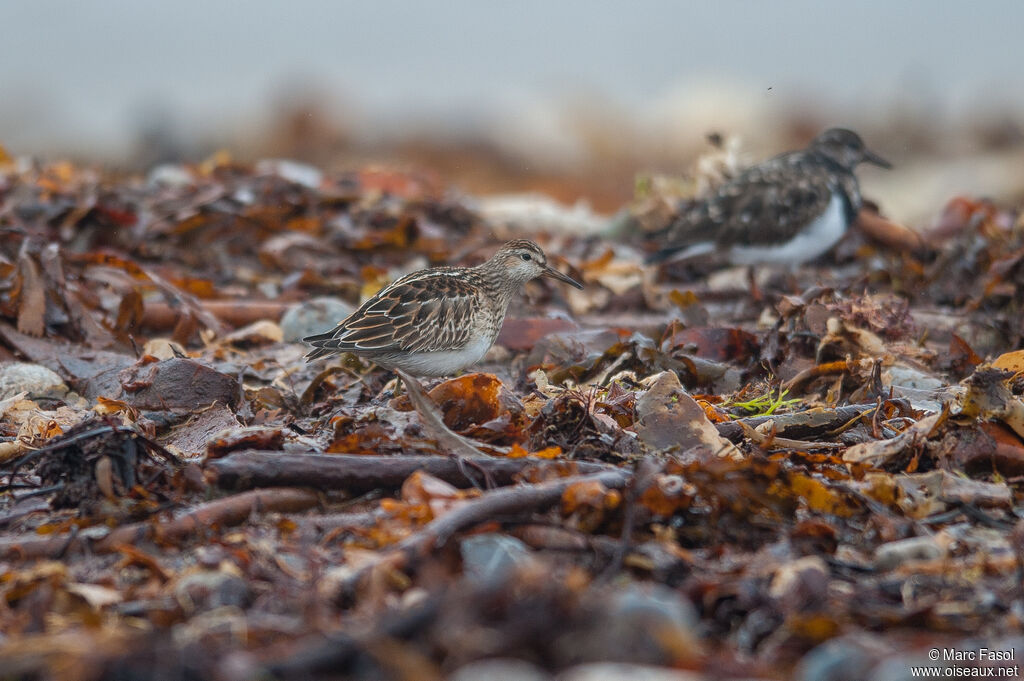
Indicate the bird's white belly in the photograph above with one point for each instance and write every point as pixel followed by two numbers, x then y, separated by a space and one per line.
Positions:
pixel 442 362
pixel 808 244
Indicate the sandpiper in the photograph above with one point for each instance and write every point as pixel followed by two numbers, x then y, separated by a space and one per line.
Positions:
pixel 436 321
pixel 787 210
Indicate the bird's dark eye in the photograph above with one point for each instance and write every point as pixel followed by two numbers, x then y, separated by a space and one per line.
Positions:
pixel 525 256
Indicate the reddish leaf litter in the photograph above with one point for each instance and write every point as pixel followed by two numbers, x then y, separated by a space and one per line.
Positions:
pixel 819 479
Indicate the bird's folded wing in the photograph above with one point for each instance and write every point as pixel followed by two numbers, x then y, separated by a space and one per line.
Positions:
pixel 416 314
pixel 761 206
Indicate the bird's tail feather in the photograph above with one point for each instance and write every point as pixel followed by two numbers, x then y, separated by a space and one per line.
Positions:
pixel 317 353
pixel 681 252
pixel 319 342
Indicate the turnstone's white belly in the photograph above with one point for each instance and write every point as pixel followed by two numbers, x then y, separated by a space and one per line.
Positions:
pixel 810 242
pixel 441 362
pixel 813 240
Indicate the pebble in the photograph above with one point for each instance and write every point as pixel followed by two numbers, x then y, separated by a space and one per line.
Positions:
pixel 654 605
pixel 36 380
pixel 312 316
pixel 641 623
pixel 841 659
pixel 176 383
pixel 667 416
pixel 492 558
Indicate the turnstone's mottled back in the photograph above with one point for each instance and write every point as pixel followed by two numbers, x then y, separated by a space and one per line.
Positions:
pixel 787 210
pixel 436 321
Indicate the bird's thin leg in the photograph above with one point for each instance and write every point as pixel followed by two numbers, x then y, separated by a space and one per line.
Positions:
pixel 464 466
pixel 458 445
pixel 756 294
pixel 792 282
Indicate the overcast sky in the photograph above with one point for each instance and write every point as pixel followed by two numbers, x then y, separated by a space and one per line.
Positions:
pixel 74 69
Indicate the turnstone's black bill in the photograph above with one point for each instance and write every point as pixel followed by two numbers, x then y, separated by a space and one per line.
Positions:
pixel 787 210
pixel 436 321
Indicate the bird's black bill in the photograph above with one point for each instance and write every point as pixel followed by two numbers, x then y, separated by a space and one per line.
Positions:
pixel 555 274
pixel 872 157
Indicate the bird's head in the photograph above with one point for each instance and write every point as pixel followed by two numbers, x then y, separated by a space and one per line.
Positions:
pixel 522 260
pixel 846 148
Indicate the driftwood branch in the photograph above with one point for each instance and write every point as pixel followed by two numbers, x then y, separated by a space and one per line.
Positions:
pixel 360 474
pixel 227 512
pixel 812 423
pixel 502 503
pixel 159 316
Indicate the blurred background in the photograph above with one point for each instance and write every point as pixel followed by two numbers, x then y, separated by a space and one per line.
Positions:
pixel 572 99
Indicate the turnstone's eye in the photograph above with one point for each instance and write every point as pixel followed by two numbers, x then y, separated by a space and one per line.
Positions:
pixel 525 256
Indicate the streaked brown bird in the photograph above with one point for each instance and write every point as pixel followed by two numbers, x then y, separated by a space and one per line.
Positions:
pixel 437 321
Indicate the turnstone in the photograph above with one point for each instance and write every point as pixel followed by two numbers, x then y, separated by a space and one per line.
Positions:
pixel 436 321
pixel 787 210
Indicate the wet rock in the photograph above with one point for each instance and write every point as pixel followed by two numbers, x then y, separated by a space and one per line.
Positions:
pixel 312 316
pixel 668 417
pixel 236 437
pixel 654 604
pixel 849 658
pixel 506 669
pixel 94 373
pixel 914 549
pixel 176 383
pixel 36 380
pixel 492 558
pixel 211 589
pixel 192 438
pixel 648 624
